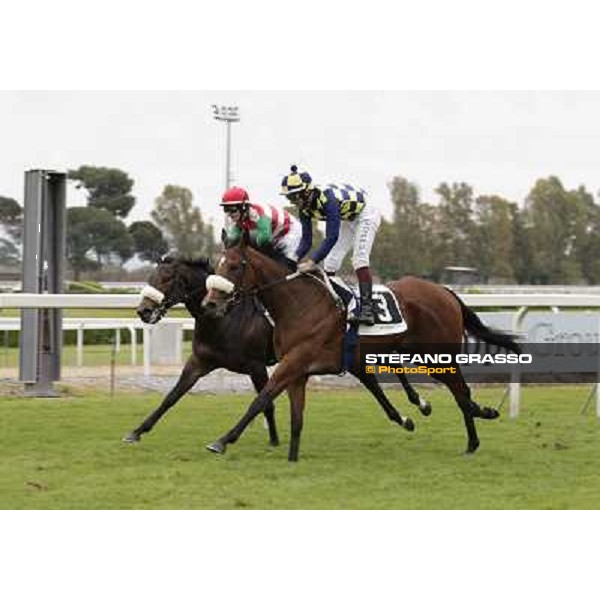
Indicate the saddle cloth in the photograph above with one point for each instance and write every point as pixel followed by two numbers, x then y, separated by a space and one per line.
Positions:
pixel 388 316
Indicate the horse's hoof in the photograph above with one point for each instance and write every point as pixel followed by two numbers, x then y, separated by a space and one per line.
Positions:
pixel 408 424
pixel 216 447
pixel 274 443
pixel 471 449
pixel 425 409
pixel 490 413
pixel 132 438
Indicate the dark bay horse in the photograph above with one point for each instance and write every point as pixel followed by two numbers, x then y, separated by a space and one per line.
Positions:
pixel 309 328
pixel 242 342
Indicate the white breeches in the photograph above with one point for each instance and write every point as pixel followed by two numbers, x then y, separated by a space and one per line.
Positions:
pixel 359 235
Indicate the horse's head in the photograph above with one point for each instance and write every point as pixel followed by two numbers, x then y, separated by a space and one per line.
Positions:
pixel 234 276
pixel 173 281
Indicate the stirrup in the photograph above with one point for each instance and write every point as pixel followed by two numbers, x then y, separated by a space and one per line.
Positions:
pixel 369 321
pixel 362 319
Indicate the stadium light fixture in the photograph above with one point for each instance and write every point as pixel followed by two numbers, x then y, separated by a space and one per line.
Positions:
pixel 228 115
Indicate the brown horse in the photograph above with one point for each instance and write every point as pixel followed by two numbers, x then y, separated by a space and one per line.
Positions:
pixel 309 328
pixel 241 342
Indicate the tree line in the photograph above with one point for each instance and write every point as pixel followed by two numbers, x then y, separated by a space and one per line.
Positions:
pixel 97 235
pixel 554 238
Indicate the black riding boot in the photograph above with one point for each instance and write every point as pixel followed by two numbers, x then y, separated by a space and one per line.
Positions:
pixel 367 315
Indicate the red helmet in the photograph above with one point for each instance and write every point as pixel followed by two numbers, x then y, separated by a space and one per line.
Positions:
pixel 235 195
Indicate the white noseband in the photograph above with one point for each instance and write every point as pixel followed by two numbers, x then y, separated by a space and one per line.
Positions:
pixel 153 294
pixel 216 282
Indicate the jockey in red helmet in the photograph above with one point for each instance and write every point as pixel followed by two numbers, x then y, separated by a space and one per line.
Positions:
pixel 266 224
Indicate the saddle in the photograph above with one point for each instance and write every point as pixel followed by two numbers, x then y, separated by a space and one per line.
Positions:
pixel 388 316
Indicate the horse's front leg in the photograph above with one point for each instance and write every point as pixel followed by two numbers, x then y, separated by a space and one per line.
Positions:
pixel 259 380
pixel 192 371
pixel 288 370
pixel 297 394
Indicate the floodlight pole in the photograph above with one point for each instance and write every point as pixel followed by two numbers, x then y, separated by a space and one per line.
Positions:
pixel 228 157
pixel 228 114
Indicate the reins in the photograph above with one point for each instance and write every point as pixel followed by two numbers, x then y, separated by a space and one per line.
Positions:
pixel 238 295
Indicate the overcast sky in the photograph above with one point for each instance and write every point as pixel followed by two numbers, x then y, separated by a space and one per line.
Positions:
pixel 499 142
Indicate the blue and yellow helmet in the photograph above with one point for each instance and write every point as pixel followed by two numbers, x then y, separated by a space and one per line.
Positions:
pixel 296 182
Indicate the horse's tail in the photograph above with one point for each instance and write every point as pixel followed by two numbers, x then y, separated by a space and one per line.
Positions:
pixel 474 326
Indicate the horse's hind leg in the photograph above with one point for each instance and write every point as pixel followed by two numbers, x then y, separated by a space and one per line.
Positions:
pixel 371 383
pixel 413 395
pixel 470 409
pixel 192 371
pixel 259 380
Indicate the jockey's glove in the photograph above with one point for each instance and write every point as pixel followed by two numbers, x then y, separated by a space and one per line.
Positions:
pixel 306 266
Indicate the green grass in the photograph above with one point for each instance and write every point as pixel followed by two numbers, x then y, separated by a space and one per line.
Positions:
pixel 67 454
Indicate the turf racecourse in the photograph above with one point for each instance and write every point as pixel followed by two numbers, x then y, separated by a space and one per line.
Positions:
pixel 67 454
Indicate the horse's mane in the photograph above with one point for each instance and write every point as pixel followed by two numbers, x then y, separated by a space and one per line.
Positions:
pixel 277 255
pixel 195 263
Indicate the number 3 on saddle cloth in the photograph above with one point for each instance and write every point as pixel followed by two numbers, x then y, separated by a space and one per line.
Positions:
pixel 388 317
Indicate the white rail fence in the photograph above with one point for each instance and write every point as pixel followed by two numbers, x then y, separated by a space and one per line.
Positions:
pixel 521 302
pixel 13 300
pixel 81 324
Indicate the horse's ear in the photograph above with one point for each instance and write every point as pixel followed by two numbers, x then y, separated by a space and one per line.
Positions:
pixel 224 237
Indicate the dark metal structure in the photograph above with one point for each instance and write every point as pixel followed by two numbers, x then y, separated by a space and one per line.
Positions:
pixel 43 272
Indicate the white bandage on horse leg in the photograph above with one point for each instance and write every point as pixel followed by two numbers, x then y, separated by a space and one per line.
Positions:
pixel 152 294
pixel 216 282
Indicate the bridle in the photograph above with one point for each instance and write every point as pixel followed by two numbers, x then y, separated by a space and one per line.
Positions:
pixel 169 300
pixel 239 293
